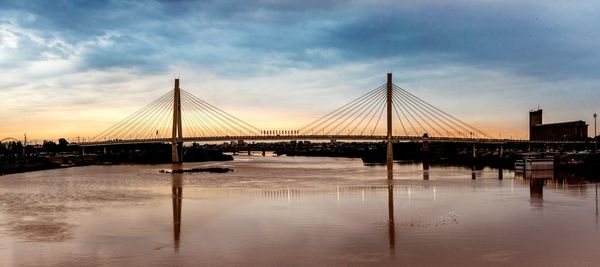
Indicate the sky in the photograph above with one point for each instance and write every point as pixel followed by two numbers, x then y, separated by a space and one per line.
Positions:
pixel 74 68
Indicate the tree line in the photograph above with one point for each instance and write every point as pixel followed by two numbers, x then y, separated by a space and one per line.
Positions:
pixel 17 149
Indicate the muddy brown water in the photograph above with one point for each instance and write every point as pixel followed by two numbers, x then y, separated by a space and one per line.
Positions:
pixel 296 211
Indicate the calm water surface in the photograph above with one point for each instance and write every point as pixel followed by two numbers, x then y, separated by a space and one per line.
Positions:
pixel 296 211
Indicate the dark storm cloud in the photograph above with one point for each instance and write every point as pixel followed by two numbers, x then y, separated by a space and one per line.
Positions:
pixel 528 38
pixel 520 38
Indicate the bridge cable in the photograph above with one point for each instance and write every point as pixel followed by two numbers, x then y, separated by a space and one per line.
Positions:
pixel 205 116
pixel 420 115
pixel 124 121
pixel 137 125
pixel 335 116
pixel 419 110
pixel 161 114
pixel 395 104
pixel 361 110
pixel 139 134
pixel 399 118
pixel 217 125
pixel 370 109
pixel 197 125
pixel 230 117
pixel 232 121
pixel 212 117
pixel 202 117
pixel 473 129
pixel 218 118
pixel 342 112
pixel 436 115
pixel 355 111
pixel 109 132
pixel 406 108
pixel 378 119
pixel 132 123
pixel 311 126
pixel 381 105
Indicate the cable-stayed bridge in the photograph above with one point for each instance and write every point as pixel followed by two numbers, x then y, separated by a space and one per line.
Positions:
pixel 364 118
pixel 387 113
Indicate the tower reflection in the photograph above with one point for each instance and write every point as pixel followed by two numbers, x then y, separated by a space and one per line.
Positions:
pixel 425 169
pixel 536 191
pixel 177 195
pixel 537 181
pixel 391 223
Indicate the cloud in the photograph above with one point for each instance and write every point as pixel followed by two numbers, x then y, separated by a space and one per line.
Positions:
pixel 99 52
pixel 529 38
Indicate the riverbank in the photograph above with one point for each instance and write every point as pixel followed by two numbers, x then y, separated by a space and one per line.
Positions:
pixel 315 209
pixel 115 157
pixel 19 165
pixel 585 164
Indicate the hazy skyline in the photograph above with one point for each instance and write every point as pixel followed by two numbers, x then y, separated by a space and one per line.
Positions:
pixel 74 68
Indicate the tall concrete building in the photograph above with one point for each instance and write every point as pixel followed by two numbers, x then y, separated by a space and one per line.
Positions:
pixel 561 131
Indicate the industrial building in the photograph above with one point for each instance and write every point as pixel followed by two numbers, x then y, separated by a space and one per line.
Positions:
pixel 561 131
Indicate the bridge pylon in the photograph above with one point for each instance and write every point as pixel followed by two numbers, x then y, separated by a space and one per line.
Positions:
pixel 390 147
pixel 177 136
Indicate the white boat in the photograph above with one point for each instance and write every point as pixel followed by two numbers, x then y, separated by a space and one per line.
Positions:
pixel 532 164
pixel 519 165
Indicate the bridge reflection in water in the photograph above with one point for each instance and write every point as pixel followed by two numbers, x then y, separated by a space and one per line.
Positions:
pixel 536 182
pixel 536 193
pixel 177 196
pixel 177 201
pixel 391 221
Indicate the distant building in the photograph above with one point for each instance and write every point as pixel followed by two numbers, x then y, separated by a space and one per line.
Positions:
pixel 561 131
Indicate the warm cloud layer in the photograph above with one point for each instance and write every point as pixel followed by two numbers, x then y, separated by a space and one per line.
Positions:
pixel 72 68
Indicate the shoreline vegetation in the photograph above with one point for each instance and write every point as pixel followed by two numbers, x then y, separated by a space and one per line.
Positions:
pixel 192 170
pixel 40 163
pixel 125 154
pixel 53 156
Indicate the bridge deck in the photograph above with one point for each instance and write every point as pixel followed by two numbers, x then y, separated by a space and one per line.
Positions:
pixel 323 137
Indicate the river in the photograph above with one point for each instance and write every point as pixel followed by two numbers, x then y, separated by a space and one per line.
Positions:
pixel 296 211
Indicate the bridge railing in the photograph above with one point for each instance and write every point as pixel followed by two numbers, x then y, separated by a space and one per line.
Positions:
pixel 279 137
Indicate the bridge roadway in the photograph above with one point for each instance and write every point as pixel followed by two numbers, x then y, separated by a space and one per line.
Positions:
pixel 323 137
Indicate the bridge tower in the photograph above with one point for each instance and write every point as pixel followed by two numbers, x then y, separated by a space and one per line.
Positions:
pixel 390 147
pixel 177 136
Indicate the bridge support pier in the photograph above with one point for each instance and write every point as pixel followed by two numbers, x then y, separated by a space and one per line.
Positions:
pixel 180 151
pixel 249 152
pixel 425 158
pixel 425 169
pixel 390 147
pixel 501 151
pixel 391 224
pixel 177 135
pixel 264 152
pixel 177 196
pixel 536 188
pixel 474 151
